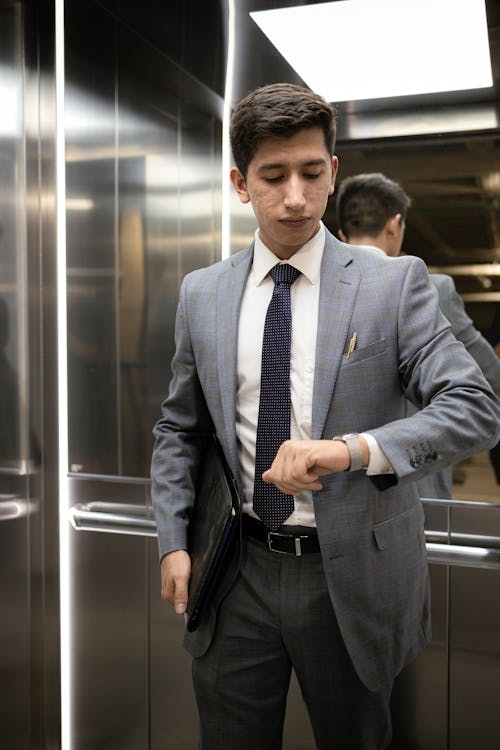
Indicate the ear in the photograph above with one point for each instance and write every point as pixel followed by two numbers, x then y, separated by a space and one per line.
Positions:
pixel 393 225
pixel 393 233
pixel 239 185
pixel 342 236
pixel 335 166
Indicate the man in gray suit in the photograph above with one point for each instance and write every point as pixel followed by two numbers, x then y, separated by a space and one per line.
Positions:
pixel 340 591
pixel 371 211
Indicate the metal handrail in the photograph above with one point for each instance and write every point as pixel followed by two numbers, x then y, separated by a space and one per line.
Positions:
pixel 458 538
pixel 472 550
pixel 460 554
pixel 117 518
pixel 13 507
pixel 450 503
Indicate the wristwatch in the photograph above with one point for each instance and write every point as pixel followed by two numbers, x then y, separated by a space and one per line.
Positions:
pixel 355 450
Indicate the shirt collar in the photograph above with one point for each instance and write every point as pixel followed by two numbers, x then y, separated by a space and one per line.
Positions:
pixel 307 260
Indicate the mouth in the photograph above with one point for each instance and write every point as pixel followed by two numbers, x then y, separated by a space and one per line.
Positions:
pixel 296 223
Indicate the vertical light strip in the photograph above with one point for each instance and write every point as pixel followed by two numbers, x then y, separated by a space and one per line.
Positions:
pixel 19 110
pixel 116 240
pixel 64 541
pixel 226 146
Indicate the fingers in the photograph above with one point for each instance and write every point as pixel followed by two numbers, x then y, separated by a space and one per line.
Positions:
pixel 299 463
pixel 175 573
pixel 293 469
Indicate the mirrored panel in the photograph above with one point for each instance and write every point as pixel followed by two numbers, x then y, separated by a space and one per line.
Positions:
pixel 143 146
pixel 12 248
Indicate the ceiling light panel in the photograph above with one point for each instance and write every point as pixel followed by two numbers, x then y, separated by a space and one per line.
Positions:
pixel 360 49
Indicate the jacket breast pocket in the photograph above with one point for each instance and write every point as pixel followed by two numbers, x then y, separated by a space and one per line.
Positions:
pixel 365 352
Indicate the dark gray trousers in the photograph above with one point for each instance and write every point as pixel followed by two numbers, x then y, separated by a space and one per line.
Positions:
pixel 279 616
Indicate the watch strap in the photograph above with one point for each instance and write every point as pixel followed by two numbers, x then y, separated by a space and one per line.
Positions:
pixel 355 450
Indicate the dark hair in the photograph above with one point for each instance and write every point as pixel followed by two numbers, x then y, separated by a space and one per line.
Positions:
pixel 279 110
pixel 366 201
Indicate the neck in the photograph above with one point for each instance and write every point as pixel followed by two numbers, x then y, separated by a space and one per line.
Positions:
pixel 366 240
pixel 372 241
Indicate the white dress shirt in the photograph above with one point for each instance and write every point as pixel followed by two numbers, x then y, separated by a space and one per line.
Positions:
pixel 305 306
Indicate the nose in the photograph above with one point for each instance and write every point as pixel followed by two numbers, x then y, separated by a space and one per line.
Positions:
pixel 294 193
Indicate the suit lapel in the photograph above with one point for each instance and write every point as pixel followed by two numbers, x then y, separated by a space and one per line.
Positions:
pixel 339 288
pixel 231 285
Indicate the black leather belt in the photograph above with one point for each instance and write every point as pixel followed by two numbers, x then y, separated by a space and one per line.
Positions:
pixel 284 542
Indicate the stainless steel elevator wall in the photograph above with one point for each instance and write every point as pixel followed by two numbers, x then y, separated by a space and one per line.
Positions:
pixel 29 622
pixel 14 523
pixel 143 152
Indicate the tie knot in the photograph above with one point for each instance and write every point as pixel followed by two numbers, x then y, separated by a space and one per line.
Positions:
pixel 284 273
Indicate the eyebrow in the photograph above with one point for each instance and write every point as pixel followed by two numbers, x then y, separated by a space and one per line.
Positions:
pixel 280 165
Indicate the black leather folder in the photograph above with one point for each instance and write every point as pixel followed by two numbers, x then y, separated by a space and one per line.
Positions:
pixel 212 529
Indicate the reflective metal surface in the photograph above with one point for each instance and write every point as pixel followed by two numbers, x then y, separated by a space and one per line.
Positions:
pixel 14 575
pixel 29 628
pixel 143 202
pixel 446 699
pixel 117 518
pixel 143 150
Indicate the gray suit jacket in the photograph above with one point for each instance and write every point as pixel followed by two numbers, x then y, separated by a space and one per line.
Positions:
pixel 439 484
pixel 462 327
pixel 370 529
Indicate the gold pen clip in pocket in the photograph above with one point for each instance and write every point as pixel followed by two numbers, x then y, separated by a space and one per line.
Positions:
pixel 352 345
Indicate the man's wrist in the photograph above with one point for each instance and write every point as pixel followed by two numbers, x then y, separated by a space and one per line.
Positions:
pixel 357 447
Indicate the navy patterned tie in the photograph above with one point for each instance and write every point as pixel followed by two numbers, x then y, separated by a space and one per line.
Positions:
pixel 273 427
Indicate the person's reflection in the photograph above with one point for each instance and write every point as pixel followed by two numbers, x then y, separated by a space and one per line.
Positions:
pixel 494 339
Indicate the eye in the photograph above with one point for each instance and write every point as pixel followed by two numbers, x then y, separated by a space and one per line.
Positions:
pixel 312 175
pixel 274 179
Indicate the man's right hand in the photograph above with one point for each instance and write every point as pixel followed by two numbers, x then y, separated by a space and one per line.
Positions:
pixel 175 572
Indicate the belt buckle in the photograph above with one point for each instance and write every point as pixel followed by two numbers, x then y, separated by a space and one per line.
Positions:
pixel 298 547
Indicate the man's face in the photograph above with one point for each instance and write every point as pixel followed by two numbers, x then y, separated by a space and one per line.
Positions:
pixel 288 183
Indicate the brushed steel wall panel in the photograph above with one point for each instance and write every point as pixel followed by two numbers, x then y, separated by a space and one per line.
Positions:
pixel 29 636
pixel 420 696
pixel 15 621
pixel 143 170
pixel 109 626
pixel 143 145
pixel 474 641
pixel 474 659
pixel 90 91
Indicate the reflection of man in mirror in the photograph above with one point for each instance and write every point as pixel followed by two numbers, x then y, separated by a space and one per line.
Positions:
pixel 494 338
pixel 9 396
pixel 371 211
